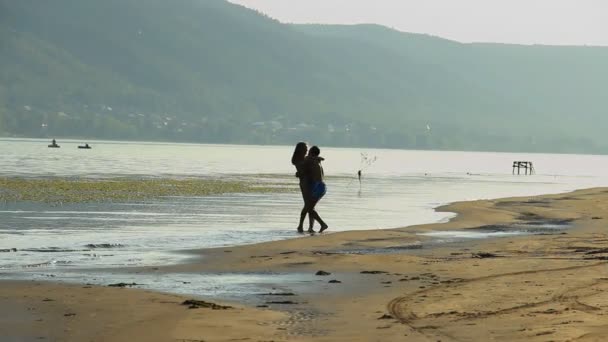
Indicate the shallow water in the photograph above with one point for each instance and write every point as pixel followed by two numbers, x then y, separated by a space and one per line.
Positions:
pixel 250 288
pixel 400 188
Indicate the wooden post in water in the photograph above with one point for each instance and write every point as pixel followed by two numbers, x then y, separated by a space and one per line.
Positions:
pixel 526 165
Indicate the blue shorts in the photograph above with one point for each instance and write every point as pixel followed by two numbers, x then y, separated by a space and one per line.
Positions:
pixel 318 190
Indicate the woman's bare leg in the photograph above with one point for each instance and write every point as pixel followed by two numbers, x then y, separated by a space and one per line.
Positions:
pixel 302 217
pixel 305 209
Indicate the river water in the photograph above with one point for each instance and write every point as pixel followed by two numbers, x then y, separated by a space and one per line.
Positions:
pixel 399 188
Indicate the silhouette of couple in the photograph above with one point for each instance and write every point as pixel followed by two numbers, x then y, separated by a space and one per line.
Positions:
pixel 310 173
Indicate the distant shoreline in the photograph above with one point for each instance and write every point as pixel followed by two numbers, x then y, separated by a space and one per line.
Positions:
pixel 92 141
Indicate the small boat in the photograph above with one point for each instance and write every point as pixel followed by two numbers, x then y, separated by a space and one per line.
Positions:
pixel 54 146
pixel 85 147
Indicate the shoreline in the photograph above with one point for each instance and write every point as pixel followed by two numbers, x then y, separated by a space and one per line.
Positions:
pixel 531 287
pixel 467 214
pixel 167 142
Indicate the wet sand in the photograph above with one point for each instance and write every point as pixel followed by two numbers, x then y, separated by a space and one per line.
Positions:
pixel 391 285
pixel 34 311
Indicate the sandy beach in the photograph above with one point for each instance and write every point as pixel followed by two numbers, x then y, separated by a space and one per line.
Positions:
pixel 381 285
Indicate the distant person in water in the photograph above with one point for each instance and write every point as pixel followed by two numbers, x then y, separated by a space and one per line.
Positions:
pixel 314 174
pixel 297 160
pixel 359 175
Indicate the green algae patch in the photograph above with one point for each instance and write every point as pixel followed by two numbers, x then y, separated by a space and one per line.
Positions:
pixel 78 190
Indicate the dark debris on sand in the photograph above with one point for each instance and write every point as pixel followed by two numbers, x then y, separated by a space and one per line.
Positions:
pixel 196 304
pixel 123 285
pixel 604 258
pixel 485 255
pixel 386 316
pixel 597 251
pixel 322 273
pixel 279 294
pixel 373 272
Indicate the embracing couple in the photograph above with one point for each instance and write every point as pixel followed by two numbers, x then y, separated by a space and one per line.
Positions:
pixel 310 173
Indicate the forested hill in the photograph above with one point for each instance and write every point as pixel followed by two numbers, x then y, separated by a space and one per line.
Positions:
pixel 211 71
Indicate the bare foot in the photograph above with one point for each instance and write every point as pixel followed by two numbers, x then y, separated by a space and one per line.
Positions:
pixel 323 229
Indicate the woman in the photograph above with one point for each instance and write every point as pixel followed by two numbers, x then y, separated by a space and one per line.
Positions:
pixel 298 158
pixel 316 186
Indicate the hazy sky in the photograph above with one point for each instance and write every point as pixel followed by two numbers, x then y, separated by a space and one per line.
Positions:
pixel 575 22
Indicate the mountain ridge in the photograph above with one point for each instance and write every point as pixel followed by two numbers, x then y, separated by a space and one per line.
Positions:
pixel 211 71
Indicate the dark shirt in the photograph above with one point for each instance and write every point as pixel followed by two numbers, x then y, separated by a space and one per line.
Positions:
pixel 313 171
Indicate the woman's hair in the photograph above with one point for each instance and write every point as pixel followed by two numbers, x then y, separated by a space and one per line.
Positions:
pixel 314 151
pixel 299 153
